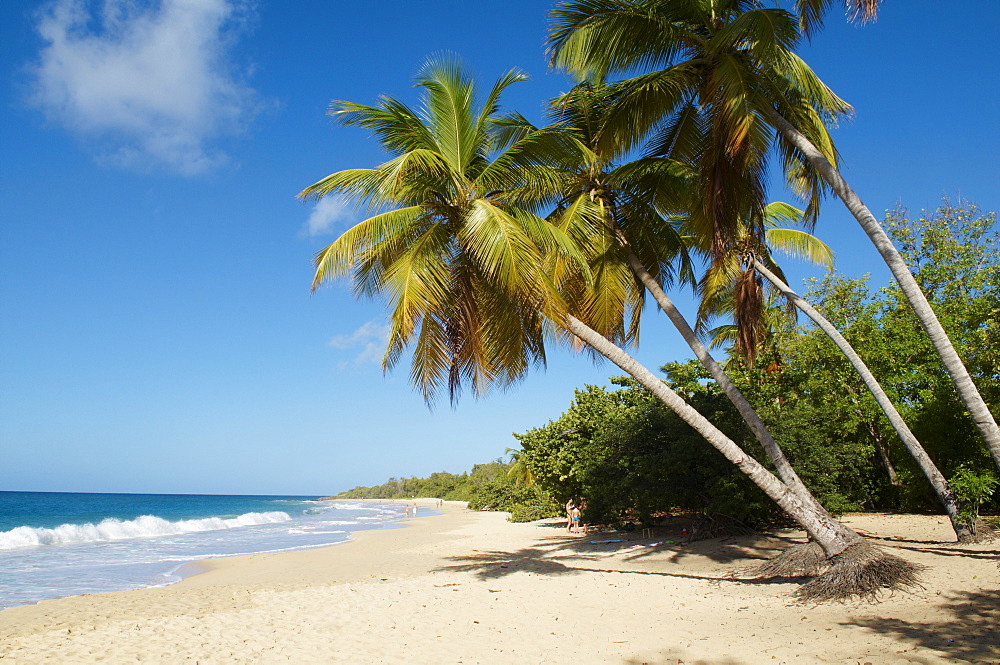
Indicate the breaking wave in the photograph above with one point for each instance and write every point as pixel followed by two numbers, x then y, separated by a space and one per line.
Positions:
pixel 146 526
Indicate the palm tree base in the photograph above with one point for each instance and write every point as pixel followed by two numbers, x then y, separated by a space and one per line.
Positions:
pixel 863 571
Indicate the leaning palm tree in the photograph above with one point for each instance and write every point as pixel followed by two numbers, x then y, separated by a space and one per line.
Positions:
pixel 965 531
pixel 728 68
pixel 758 259
pixel 617 209
pixel 467 270
pixel 850 566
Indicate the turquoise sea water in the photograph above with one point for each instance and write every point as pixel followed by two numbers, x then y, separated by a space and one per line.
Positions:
pixel 59 544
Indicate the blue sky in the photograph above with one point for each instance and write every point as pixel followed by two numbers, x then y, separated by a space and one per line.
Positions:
pixel 158 334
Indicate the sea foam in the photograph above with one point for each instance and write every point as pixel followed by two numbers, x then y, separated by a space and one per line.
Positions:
pixel 146 526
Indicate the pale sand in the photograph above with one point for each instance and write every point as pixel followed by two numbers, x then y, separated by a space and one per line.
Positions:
pixel 470 587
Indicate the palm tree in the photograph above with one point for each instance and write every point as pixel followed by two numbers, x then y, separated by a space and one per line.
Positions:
pixel 519 471
pixel 727 69
pixel 965 532
pixel 459 261
pixel 803 245
pixel 460 257
pixel 616 208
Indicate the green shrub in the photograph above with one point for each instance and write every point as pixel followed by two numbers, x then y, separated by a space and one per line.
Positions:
pixel 973 489
pixel 525 513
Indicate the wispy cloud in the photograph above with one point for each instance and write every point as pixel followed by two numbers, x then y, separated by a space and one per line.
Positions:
pixel 147 84
pixel 370 338
pixel 327 212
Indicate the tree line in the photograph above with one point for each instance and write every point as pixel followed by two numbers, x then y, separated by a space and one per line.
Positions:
pixel 490 486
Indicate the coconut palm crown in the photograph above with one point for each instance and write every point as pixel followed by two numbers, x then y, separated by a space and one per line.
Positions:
pixel 714 71
pixel 613 208
pixel 710 75
pixel 733 278
pixel 452 244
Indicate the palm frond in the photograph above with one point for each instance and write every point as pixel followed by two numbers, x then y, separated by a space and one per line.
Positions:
pixel 765 33
pixel 800 245
pixel 394 124
pixel 496 242
pixel 592 38
pixel 354 245
pixel 449 113
pixel 367 187
pixel 779 213
pixel 491 106
pixel 811 12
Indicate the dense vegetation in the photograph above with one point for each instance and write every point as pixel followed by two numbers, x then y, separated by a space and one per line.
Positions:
pixel 635 460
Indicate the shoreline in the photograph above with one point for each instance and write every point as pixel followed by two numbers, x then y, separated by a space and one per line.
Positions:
pixel 471 587
pixel 162 540
pixel 268 566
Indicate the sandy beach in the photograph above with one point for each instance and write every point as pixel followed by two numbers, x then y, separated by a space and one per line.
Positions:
pixel 468 587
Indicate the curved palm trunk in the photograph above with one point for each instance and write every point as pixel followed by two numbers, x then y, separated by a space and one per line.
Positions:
pixel 781 464
pixel 830 534
pixel 963 531
pixel 967 390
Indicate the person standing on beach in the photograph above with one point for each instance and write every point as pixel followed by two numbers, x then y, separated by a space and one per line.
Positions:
pixel 572 516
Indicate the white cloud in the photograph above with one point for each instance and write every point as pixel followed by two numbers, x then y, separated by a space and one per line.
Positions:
pixel 371 338
pixel 147 83
pixel 327 212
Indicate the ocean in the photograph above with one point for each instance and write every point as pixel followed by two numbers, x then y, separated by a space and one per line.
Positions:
pixel 62 544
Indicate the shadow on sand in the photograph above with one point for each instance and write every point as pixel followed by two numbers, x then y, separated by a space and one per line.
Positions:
pixel 573 555
pixel 971 634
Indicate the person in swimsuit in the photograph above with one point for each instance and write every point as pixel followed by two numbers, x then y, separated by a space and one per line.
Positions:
pixel 579 512
pixel 570 511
